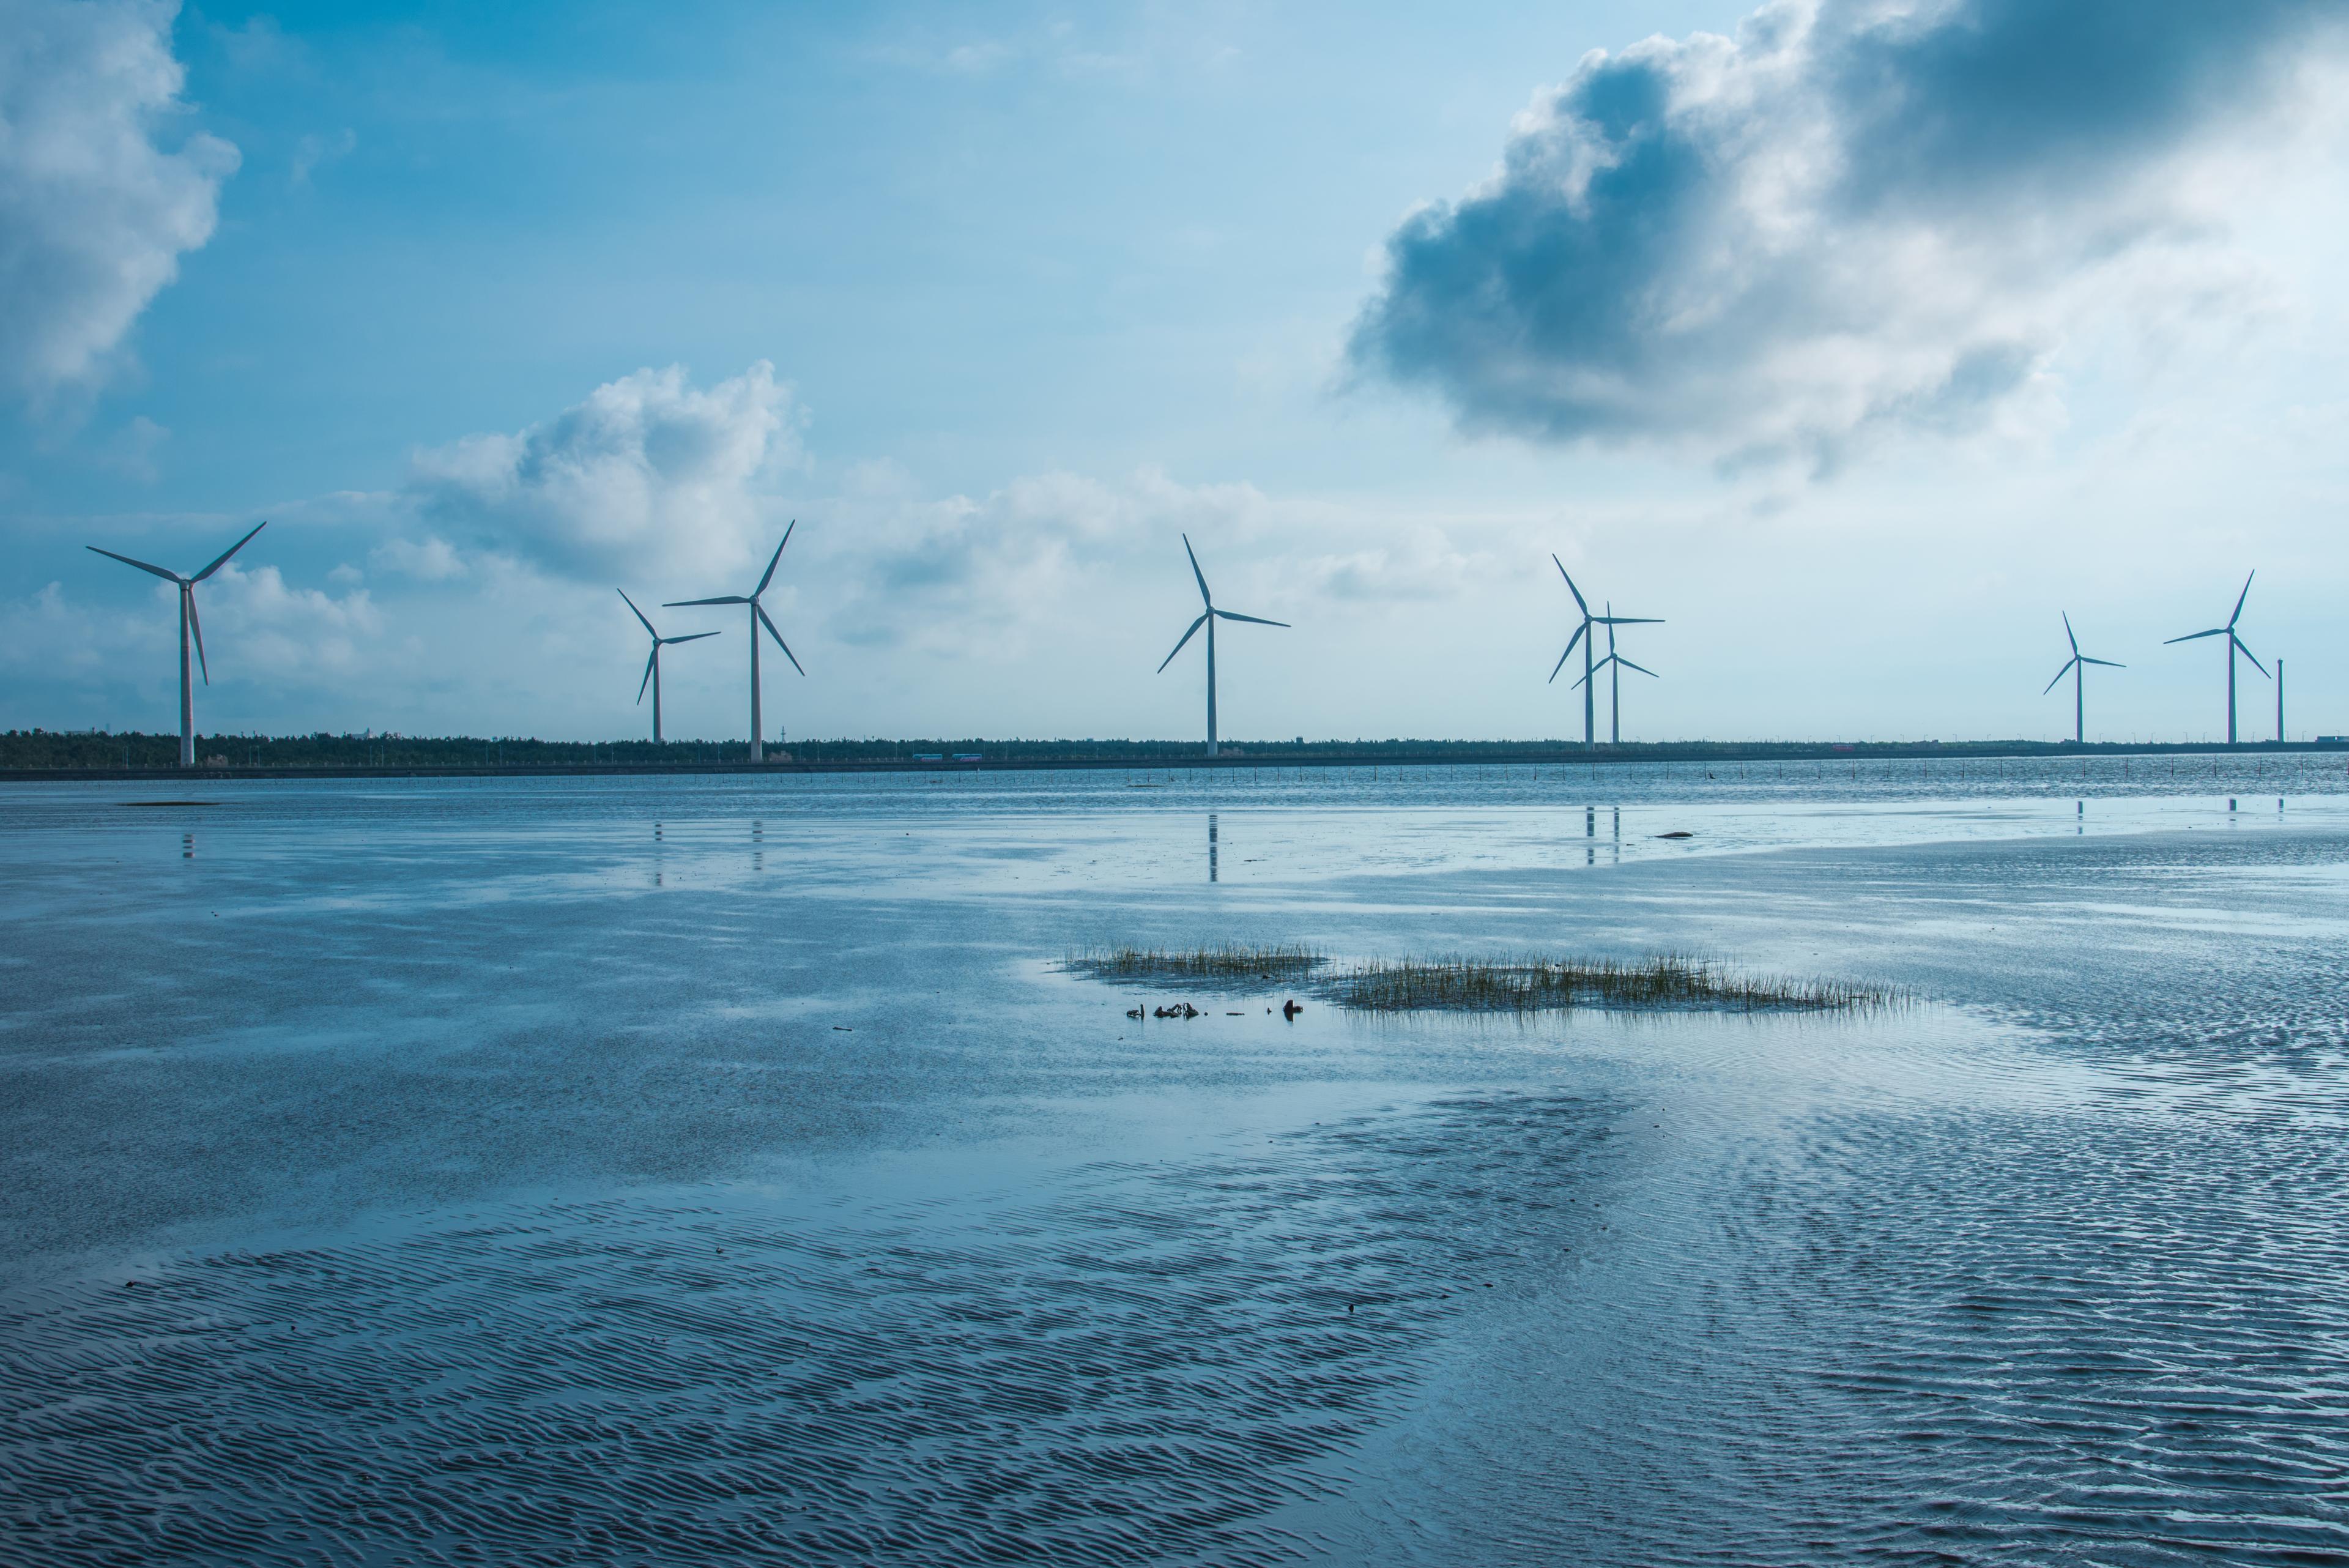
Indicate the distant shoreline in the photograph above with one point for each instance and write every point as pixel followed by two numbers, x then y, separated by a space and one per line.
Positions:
pixel 1242 759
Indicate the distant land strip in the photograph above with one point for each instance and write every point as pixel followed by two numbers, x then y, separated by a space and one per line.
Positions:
pixel 38 755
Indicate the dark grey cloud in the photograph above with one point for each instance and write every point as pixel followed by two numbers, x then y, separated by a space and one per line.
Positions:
pixel 1856 214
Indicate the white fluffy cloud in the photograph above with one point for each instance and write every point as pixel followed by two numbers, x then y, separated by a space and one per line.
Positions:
pixel 1032 554
pixel 648 475
pixel 97 198
pixel 1857 216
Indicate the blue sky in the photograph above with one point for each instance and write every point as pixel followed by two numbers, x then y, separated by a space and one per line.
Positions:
pixel 1856 339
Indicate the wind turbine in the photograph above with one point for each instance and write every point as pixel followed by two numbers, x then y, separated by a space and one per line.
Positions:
pixel 189 621
pixel 652 664
pixel 758 620
pixel 1590 639
pixel 1615 663
pixel 2235 646
pixel 2075 668
pixel 1209 616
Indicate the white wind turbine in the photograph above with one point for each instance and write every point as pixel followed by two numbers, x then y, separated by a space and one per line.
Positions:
pixel 1614 664
pixel 189 622
pixel 1209 616
pixel 758 620
pixel 652 664
pixel 2075 667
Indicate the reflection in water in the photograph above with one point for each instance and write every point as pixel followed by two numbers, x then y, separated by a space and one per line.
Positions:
pixel 1211 846
pixel 187 846
pixel 758 845
pixel 658 859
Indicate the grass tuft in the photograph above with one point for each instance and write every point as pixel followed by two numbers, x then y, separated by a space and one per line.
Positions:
pixel 1232 960
pixel 1541 984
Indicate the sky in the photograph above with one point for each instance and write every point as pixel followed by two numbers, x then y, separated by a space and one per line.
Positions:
pixel 1859 341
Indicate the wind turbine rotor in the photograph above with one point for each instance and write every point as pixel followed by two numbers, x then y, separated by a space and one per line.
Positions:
pixel 221 560
pixel 639 614
pixel 142 565
pixel 196 625
pixel 760 610
pixel 1562 658
pixel 1178 646
pixel 775 560
pixel 1205 598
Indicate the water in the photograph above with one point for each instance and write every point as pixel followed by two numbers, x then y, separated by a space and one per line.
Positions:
pixel 673 1170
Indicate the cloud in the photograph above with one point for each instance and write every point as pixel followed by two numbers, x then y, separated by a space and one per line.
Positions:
pixel 255 625
pixel 1857 216
pixel 648 474
pixel 939 572
pixel 430 561
pixel 313 152
pixel 97 204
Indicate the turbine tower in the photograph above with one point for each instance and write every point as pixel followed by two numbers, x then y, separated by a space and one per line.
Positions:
pixel 2075 667
pixel 1584 635
pixel 652 664
pixel 2235 646
pixel 1209 616
pixel 757 619
pixel 1615 664
pixel 189 621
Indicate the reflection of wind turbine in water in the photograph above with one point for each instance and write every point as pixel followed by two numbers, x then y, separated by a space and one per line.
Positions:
pixel 1207 617
pixel 189 621
pixel 1615 664
pixel 652 664
pixel 2235 646
pixel 2075 667
pixel 757 619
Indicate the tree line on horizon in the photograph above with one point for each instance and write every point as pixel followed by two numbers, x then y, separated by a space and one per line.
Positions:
pixel 96 751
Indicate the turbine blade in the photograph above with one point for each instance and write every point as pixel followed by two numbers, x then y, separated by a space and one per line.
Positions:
pixel 779 636
pixel 1580 603
pixel 2197 636
pixel 167 576
pixel 232 550
pixel 1641 668
pixel 196 625
pixel 694 637
pixel 1567 654
pixel 727 599
pixel 1178 647
pixel 773 561
pixel 2068 634
pixel 2246 653
pixel 1205 598
pixel 2060 674
pixel 1252 620
pixel 1626 620
pixel 640 615
pixel 2105 662
pixel 650 660
pixel 2239 603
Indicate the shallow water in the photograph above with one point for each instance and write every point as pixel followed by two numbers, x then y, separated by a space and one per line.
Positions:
pixel 648 1171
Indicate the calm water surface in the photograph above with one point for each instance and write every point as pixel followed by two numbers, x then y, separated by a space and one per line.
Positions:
pixel 722 1172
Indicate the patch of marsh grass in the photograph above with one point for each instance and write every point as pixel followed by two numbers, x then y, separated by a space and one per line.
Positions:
pixel 1231 961
pixel 1540 984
